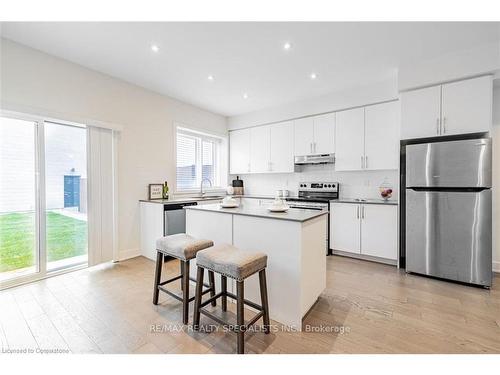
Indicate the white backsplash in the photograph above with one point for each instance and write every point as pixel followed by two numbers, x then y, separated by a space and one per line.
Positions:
pixel 358 184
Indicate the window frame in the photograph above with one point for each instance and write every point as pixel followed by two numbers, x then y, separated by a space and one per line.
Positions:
pixel 217 155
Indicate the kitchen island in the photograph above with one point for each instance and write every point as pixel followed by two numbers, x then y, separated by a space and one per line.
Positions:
pixel 294 241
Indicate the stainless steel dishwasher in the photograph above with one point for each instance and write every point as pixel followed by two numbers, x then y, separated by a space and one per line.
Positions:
pixel 175 218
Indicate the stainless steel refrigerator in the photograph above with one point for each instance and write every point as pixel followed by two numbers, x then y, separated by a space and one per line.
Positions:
pixel 449 209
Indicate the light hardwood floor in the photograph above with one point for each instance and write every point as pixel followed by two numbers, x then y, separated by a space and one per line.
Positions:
pixel 371 308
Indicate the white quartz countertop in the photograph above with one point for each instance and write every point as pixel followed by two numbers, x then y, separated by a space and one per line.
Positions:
pixel 183 199
pixel 367 201
pixel 293 214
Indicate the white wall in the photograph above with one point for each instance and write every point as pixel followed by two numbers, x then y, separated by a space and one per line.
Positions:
pixel 344 99
pixel 44 83
pixel 453 66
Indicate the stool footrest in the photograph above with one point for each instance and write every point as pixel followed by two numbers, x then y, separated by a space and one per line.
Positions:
pixel 251 322
pixel 204 303
pixel 180 277
pixel 247 302
pixel 170 280
pixel 179 296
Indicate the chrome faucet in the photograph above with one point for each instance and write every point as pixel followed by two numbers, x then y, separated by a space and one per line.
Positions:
pixel 201 185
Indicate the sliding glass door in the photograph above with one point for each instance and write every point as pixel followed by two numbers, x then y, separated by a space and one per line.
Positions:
pixel 43 198
pixel 65 195
pixel 19 245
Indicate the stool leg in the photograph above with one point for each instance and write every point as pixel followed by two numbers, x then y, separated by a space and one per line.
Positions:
pixel 185 291
pixel 240 318
pixel 211 283
pixel 181 266
pixel 197 298
pixel 223 286
pixel 159 263
pixel 263 296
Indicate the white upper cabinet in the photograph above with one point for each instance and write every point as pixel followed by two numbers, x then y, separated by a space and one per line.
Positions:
pixel 282 148
pixel 239 151
pixel 453 108
pixel 315 135
pixel 349 136
pixel 420 113
pixel 382 136
pixel 324 134
pixel 260 149
pixel 467 106
pixel 304 136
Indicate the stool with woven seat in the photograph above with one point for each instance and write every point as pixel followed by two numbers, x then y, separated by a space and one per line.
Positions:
pixel 183 247
pixel 229 261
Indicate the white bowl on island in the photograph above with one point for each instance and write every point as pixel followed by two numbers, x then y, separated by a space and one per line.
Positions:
pixel 279 205
pixel 229 202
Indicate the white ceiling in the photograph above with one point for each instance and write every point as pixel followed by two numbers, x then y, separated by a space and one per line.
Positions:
pixel 248 57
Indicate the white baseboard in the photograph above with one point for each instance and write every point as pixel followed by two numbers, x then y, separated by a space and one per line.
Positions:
pixel 129 253
pixel 496 266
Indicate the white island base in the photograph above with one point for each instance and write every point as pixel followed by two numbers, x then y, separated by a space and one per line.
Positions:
pixel 296 250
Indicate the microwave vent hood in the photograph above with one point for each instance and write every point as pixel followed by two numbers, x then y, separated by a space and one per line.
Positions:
pixel 315 159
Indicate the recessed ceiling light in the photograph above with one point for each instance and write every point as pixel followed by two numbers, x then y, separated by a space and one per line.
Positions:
pixel 287 46
pixel 155 48
pixel 210 77
pixel 313 76
pixel 245 96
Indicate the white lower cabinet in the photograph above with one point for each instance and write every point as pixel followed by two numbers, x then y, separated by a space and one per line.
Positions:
pixel 345 227
pixel 365 229
pixel 379 227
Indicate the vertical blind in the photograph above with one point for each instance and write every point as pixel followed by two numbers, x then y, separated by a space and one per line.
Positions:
pixel 101 195
pixel 198 157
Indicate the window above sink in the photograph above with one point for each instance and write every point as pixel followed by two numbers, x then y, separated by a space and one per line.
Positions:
pixel 199 157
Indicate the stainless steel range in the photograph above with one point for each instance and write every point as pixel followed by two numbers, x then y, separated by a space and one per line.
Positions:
pixel 316 196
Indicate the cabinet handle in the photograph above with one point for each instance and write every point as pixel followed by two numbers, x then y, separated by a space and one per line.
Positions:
pixel 311 147
pixel 362 212
pixel 314 143
pixel 444 125
pixel 437 126
pixel 357 212
pixel 366 161
pixel 361 161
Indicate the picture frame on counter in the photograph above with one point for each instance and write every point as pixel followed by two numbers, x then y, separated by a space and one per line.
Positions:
pixel 155 191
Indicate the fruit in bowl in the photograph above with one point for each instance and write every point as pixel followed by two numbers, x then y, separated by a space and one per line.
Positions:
pixel 386 193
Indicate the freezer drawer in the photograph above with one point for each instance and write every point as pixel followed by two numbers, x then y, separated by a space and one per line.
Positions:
pixel 448 235
pixel 465 163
